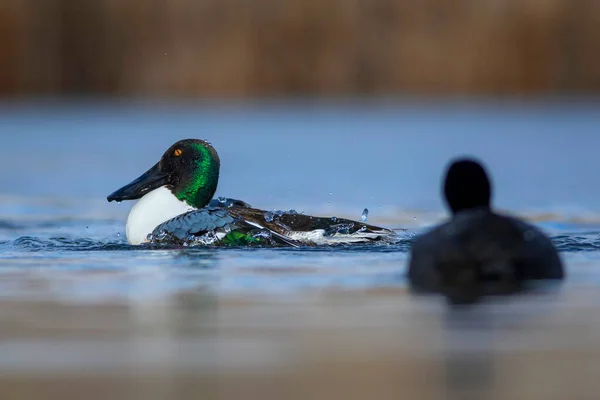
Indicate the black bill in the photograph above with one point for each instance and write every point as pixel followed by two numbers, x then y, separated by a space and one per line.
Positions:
pixel 150 180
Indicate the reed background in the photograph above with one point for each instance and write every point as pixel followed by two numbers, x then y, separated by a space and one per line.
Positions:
pixel 253 48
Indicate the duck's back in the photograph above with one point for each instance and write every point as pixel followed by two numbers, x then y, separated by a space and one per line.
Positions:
pixel 311 229
pixel 479 252
pixel 213 223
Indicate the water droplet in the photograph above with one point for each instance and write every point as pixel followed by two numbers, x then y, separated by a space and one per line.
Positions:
pixel 262 235
pixel 118 234
pixel 343 229
pixel 119 202
pixel 365 215
pixel 269 216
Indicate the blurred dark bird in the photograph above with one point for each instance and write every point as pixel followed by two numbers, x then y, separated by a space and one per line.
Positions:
pixel 479 252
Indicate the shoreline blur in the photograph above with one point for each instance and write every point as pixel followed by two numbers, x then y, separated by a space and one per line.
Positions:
pixel 233 48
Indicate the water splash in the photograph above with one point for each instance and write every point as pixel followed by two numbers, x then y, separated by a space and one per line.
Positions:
pixel 262 234
pixel 273 216
pixel 159 237
pixel 364 215
pixel 343 229
pixel 269 216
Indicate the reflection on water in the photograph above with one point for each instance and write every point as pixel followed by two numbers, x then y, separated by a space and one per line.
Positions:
pixel 341 343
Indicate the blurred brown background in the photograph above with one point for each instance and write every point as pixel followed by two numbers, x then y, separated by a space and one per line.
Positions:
pixel 304 47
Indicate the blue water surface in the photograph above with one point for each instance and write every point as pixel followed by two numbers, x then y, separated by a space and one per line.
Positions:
pixel 60 160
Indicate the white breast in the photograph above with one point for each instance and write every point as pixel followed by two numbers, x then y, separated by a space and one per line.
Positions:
pixel 156 207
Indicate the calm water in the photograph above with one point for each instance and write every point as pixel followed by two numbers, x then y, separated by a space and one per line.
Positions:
pixel 62 246
pixel 61 160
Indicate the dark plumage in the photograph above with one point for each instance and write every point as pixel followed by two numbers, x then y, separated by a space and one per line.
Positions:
pixel 225 215
pixel 479 252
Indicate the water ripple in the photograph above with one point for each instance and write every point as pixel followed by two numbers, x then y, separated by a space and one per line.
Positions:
pixel 577 243
pixel 32 243
pixel 65 244
pixel 564 243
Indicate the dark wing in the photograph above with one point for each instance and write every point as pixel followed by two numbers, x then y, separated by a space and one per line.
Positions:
pixel 211 225
pixel 285 223
pixel 198 222
pixel 194 223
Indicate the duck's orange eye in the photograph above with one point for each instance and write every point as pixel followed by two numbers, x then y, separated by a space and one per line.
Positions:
pixel 178 152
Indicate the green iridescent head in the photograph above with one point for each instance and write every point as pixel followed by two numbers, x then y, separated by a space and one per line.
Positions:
pixel 189 168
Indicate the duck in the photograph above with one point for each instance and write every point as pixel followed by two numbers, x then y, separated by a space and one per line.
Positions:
pixel 479 252
pixel 175 205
